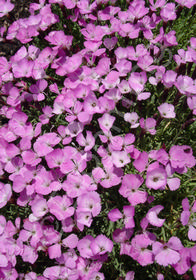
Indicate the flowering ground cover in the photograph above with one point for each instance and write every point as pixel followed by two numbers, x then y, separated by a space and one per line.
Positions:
pixel 97 140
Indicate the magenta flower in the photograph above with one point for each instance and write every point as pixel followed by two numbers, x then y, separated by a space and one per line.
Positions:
pixel 114 215
pixel 155 4
pixel 120 158
pixel 145 63
pixel 153 218
pixel 59 39
pixel 101 245
pixel 54 251
pixel 89 202
pixel 55 158
pixel 172 182
pixel 124 67
pixel 92 32
pixel 132 118
pixel 39 208
pixel 130 275
pixel 97 275
pixel 148 125
pixel 137 81
pixel 5 7
pixel 139 249
pixel 185 85
pixel 5 194
pixel 76 185
pixel 18 123
pixel 61 207
pixel 168 12
pixel 141 162
pixel 23 68
pixel 167 110
pixel 88 142
pixel 122 235
pixel 181 157
pixel 84 248
pixel 183 265
pixel 45 143
pixel 167 254
pixel 156 177
pixel 130 189
pixel 111 80
pixel 110 43
pixel 38 90
pixel 32 232
pixel 169 78
pixel 71 241
pixel 188 219
pixel 29 254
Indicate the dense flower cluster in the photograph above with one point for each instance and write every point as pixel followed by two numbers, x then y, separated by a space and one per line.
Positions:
pixel 82 144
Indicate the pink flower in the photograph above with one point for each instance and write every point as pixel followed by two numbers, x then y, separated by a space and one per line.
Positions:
pixel 84 248
pixel 130 189
pixel 54 251
pixel 32 232
pixel 23 68
pixel 101 245
pixel 148 125
pixel 76 184
pixel 181 157
pixel 155 4
pixel 110 43
pixel 71 241
pixel 39 208
pixel 137 81
pixel 97 275
pixel 106 122
pixel 88 142
pixel 123 66
pixel 132 118
pixel 167 254
pixel 141 162
pixel 89 202
pixel 92 32
pixel 112 177
pixel 145 63
pixel 45 143
pixel 61 207
pixel 114 215
pixel 139 249
pixel 186 218
pixel 111 80
pixel 5 7
pixel 59 39
pixel 120 158
pixel 168 12
pixel 167 110
pixel 38 89
pixel 5 194
pixel 156 178
pixel 122 235
pixel 130 275
pixel 18 123
pixel 184 263
pixel 169 78
pixel 55 158
pixel 152 216
pixel 29 254
pixel 185 85
pixel 103 66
